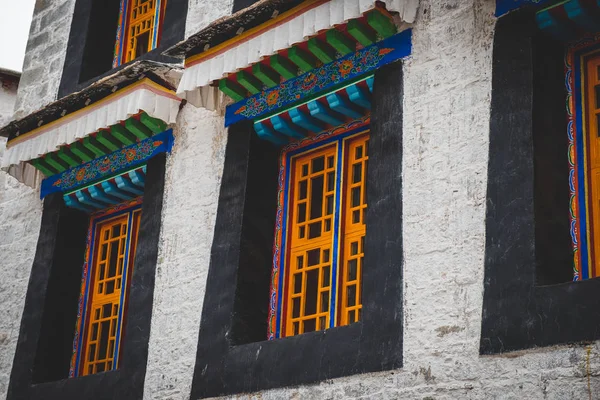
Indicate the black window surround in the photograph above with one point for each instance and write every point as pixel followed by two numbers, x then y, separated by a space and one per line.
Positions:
pixel 92 40
pixel 527 302
pixel 230 357
pixel 41 363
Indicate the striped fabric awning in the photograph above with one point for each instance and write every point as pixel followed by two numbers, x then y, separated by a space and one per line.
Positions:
pixel 280 33
pixel 143 96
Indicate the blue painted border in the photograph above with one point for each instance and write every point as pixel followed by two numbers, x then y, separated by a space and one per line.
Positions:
pixel 339 139
pixel 118 162
pixel 581 159
pixel 322 79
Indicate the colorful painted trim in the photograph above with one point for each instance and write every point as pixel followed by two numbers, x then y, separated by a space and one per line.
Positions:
pixel 96 218
pixel 506 6
pixel 144 83
pixel 326 78
pixel 122 27
pixel 249 34
pixel 576 133
pixel 119 45
pixel 110 165
pixel 278 274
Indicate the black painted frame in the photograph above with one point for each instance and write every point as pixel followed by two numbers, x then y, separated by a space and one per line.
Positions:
pixel 42 305
pixel 173 31
pixel 226 366
pixel 518 312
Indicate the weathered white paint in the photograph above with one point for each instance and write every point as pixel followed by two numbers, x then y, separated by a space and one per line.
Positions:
pixel 8 97
pixel 446 129
pixel 202 12
pixel 45 55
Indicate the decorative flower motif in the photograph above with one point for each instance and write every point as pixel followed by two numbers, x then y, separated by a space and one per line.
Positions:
pixel 130 155
pixel 346 67
pixel 80 174
pixel 273 97
pixel 309 81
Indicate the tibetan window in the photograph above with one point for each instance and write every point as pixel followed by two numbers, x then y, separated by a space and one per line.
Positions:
pixel 139 29
pixel 322 237
pixel 112 241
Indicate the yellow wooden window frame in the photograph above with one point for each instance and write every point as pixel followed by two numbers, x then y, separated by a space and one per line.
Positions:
pixel 114 251
pixel 316 206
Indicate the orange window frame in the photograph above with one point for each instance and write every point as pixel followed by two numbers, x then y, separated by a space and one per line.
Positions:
pixel 136 19
pixel 322 286
pixel 112 244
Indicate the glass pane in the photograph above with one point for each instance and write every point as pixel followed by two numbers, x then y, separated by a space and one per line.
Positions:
pixel 104 250
pixel 301 212
pixel 352 270
pixel 301 232
pixel 354 248
pixel 116 230
pixel 297 283
pixel 106 310
pixel 300 262
pixel 92 353
pixel 325 277
pixel 327 225
pixel 296 328
pixel 312 287
pixel 318 164
pixel 356 173
pixel 358 153
pixel 309 326
pixel 95 331
pixel 296 307
pixel 313 257
pixel 351 295
pixel 110 287
pixel 100 367
pixel 304 169
pixel 105 327
pixel 324 301
pixel 330 181
pixel 355 197
pixel 597 89
pixel 302 190
pixel 325 255
pixel 329 205
pixel 356 216
pixel 314 230
pixel 351 317
pixel 316 197
pixel 322 323
pixel 114 255
pixel 330 162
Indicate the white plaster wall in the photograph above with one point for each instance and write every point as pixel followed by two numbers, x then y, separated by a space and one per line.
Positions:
pixel 8 96
pixel 20 217
pixel 45 55
pixel 193 180
pixel 446 129
pixel 202 12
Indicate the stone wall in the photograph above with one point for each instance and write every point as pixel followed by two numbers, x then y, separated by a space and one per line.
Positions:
pixel 8 97
pixel 446 105
pixel 20 217
pixel 193 177
pixel 45 55
pixel 202 12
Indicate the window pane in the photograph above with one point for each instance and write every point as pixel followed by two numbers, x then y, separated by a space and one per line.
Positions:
pixel 316 197
pixel 312 286
pixel 318 164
